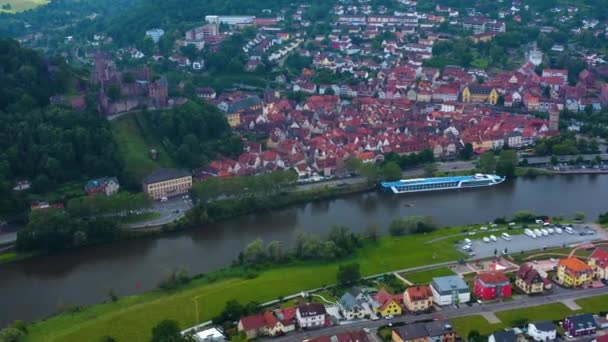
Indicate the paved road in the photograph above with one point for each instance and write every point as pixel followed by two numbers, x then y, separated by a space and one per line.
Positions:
pixel 450 312
pixel 418 171
pixel 170 211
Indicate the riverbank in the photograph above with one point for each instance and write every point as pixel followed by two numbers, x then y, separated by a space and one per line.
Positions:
pixel 131 318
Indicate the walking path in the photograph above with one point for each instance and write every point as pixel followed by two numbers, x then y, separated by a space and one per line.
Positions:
pixel 490 317
pixel 571 304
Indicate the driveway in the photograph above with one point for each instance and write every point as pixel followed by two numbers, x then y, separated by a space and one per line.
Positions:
pixel 171 210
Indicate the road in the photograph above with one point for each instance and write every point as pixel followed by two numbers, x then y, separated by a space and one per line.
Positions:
pixel 448 313
pixel 171 210
pixel 458 165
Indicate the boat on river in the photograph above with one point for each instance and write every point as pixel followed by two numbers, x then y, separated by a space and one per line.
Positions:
pixel 441 183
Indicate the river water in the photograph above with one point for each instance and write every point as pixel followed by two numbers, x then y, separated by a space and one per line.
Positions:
pixel 34 288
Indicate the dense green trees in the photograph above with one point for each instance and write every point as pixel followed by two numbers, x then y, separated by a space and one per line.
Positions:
pixel 46 144
pixel 167 331
pixel 240 187
pixel 340 242
pixel 194 133
pixel 566 144
pixel 348 274
pixel 412 225
pixel 55 229
pixel 97 205
pixel 507 162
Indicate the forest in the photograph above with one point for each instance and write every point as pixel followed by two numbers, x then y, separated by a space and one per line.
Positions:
pixel 194 133
pixel 45 144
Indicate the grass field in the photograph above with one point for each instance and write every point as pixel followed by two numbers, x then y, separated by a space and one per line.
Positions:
pixel 425 277
pixel 21 5
pixel 134 145
pixel 131 318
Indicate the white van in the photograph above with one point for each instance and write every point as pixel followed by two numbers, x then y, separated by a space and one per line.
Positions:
pixel 486 239
pixel 538 232
pixel 550 230
pixel 545 232
pixel 539 221
pixel 530 233
pixel 506 236
pixel 164 199
pixel 569 230
pixel 467 241
pixel 493 238
pixel 558 230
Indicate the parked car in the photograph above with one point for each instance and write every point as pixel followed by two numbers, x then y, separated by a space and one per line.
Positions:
pixel 486 239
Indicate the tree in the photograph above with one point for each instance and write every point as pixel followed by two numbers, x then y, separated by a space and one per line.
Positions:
pixel 342 238
pixel 430 169
pixel 553 160
pixel 114 92
pixel 107 339
pixel 371 232
pixel 474 336
pixel 487 162
pixel 391 171
pixel 369 171
pixel 254 252
pixel 348 274
pixel 166 331
pixel 232 311
pixel 397 227
pixel 275 251
pixel 507 162
pixel 11 334
pixel 467 151
pixel 579 216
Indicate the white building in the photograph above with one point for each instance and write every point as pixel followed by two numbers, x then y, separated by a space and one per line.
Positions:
pixel 450 290
pixel 542 331
pixel 210 335
pixel 311 315
pixel 155 34
pixel 230 19
pixel 535 57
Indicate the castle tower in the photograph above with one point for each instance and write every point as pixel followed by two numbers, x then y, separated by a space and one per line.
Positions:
pixel 554 118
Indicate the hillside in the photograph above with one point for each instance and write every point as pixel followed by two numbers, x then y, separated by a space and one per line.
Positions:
pixel 14 6
pixel 48 145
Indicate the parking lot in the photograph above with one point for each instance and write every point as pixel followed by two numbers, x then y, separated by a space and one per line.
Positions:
pixel 525 243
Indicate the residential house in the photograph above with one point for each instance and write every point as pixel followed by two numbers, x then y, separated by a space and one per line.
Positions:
pixel 529 280
pixel 388 304
pixel 234 109
pixel 579 325
pixel 350 307
pixel 542 331
pixel 492 285
pixel 435 331
pixel 572 272
pixel 418 298
pixel 167 182
pixel 503 336
pixel 347 336
pixel 106 185
pixel 311 315
pixel 480 94
pixel 210 335
pixel 450 290
pixel 598 261
pixel 287 316
pixel 265 324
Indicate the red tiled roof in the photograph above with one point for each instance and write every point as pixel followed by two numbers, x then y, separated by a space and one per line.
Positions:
pixel 492 277
pixel 419 292
pixel 574 265
pixel 253 322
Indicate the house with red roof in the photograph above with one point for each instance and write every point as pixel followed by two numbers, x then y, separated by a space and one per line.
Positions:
pixel 492 285
pixel 598 261
pixel 418 298
pixel 264 324
pixel 388 304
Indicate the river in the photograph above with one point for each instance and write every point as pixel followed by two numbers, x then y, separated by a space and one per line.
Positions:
pixel 34 288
